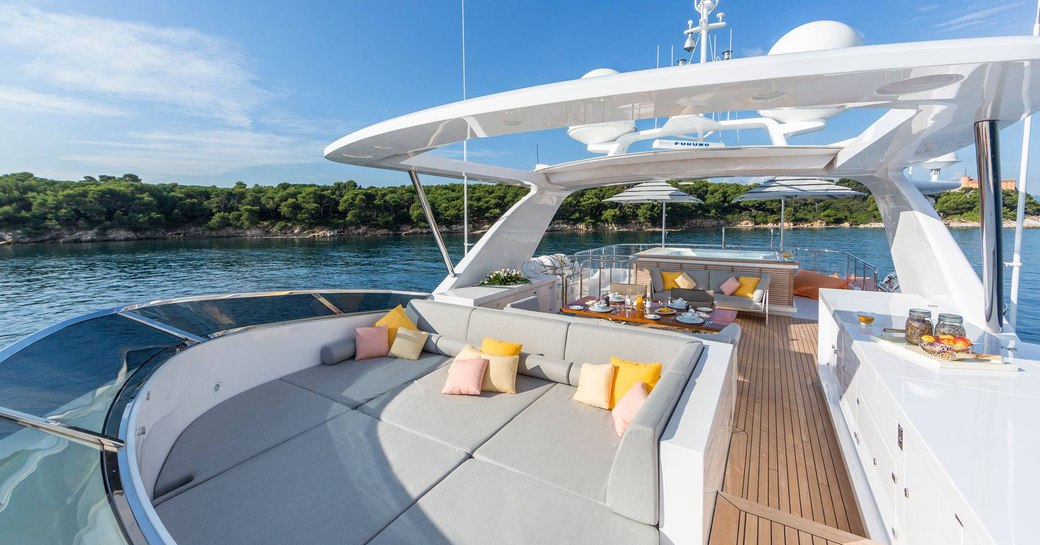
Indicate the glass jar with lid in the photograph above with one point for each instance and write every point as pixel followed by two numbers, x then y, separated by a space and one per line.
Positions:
pixel 918 324
pixel 950 324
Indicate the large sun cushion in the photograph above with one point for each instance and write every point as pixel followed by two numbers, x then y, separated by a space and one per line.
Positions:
pixel 346 480
pixel 481 503
pixel 355 382
pixel 238 429
pixel 464 422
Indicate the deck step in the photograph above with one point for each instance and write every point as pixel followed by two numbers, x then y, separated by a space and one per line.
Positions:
pixel 741 522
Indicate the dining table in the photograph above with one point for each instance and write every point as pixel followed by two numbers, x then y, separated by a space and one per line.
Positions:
pixel 713 321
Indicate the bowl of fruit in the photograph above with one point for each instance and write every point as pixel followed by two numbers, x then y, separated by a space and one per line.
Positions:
pixel 946 347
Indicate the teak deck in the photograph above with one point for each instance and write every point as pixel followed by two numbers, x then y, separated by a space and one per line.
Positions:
pixel 786 482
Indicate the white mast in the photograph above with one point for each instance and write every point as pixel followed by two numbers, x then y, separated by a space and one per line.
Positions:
pixel 465 146
pixel 1020 216
pixel 704 7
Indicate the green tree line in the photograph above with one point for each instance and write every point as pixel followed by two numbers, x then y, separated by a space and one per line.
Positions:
pixel 33 204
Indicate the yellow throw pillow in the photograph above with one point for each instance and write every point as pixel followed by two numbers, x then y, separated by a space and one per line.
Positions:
pixel 685 282
pixel 668 278
pixel 501 371
pixel 629 373
pixel 595 384
pixel 747 286
pixel 409 344
pixel 395 319
pixel 500 348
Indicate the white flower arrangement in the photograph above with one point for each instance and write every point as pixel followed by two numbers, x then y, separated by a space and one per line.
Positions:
pixel 505 277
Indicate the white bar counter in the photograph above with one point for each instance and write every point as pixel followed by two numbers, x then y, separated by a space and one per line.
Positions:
pixel 951 456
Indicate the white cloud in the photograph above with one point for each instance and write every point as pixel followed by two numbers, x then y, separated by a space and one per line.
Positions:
pixel 162 154
pixel 182 68
pixel 975 17
pixel 23 100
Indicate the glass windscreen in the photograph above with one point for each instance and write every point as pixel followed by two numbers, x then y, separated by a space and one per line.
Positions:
pixel 52 491
pixel 74 374
pixel 351 302
pixel 206 317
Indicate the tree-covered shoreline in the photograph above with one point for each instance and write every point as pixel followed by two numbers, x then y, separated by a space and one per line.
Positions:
pixel 38 209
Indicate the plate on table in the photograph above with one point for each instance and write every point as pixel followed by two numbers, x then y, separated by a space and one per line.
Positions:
pixel 652 316
pixel 678 305
pixel 576 307
pixel 692 320
pixel 704 315
pixel 617 299
pixel 704 309
pixel 665 310
pixel 601 309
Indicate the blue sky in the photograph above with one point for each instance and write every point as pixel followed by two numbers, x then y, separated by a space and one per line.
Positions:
pixel 214 92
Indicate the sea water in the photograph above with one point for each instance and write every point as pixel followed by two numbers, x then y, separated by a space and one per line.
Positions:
pixel 42 284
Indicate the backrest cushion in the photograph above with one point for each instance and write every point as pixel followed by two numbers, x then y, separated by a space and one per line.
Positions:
pixel 701 277
pixel 539 335
pixel 655 278
pixel 436 317
pixel 595 343
pixel 716 278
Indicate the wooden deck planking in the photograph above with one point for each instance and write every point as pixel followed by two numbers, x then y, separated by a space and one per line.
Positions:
pixel 785 480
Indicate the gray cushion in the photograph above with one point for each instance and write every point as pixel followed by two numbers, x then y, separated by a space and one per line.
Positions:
pixel 439 344
pixel 701 277
pixel 656 281
pixel 341 482
pixel 464 422
pixel 633 487
pixel 436 317
pixel 558 441
pixel 716 278
pixel 589 343
pixel 544 367
pixel 354 382
pixel 238 429
pixel 480 503
pixel 545 335
pixel 737 302
pixel 338 351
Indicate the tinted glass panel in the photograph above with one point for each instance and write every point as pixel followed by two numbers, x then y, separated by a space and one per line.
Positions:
pixel 73 374
pixel 204 318
pixel 350 302
pixel 53 491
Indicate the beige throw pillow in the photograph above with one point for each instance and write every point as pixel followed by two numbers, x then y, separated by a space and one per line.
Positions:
pixel 595 384
pixel 408 344
pixel 685 282
pixel 501 371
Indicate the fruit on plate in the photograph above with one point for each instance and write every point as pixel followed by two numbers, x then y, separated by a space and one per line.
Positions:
pixel 939 350
pixel 927 339
pixel 962 342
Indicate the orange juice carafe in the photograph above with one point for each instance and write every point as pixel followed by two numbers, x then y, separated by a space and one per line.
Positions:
pixel 639 303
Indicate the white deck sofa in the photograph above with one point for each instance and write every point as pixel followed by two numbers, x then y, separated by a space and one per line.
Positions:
pixel 371 452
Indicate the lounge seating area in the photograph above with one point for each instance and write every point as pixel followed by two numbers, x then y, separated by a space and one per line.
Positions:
pixel 740 291
pixel 372 451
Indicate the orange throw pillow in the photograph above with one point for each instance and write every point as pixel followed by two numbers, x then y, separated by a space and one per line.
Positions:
pixel 808 283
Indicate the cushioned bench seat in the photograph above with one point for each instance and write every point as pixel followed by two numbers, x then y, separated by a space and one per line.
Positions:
pixel 238 429
pixel 341 482
pixel 481 503
pixel 356 382
pixel 464 422
pixel 559 441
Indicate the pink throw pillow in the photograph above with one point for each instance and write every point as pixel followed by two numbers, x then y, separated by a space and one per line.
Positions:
pixel 624 411
pixel 730 286
pixel 465 377
pixel 371 342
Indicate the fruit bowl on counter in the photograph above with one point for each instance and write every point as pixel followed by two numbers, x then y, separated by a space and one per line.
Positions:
pixel 946 347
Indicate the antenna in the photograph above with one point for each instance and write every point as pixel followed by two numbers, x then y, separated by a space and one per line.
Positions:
pixel 465 146
pixel 699 33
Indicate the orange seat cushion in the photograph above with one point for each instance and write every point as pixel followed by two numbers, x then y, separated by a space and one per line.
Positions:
pixel 808 283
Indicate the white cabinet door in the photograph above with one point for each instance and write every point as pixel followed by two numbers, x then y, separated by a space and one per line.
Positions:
pixel 926 515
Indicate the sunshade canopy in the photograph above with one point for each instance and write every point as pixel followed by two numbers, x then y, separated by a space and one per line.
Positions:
pixel 798 188
pixel 658 191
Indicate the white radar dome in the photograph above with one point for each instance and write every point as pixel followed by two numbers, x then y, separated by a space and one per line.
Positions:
pixel 601 133
pixel 814 36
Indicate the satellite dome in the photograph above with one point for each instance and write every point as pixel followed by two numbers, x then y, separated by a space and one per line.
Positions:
pixel 817 36
pixel 814 36
pixel 601 133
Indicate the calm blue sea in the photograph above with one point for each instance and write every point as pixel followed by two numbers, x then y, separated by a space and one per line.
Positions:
pixel 42 284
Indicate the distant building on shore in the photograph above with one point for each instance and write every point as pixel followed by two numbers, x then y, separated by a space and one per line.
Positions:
pixel 972 183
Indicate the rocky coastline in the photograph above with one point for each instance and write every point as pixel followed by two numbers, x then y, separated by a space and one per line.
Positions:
pixel 124 235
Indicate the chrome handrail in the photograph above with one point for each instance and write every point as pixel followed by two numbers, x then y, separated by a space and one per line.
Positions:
pixel 53 427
